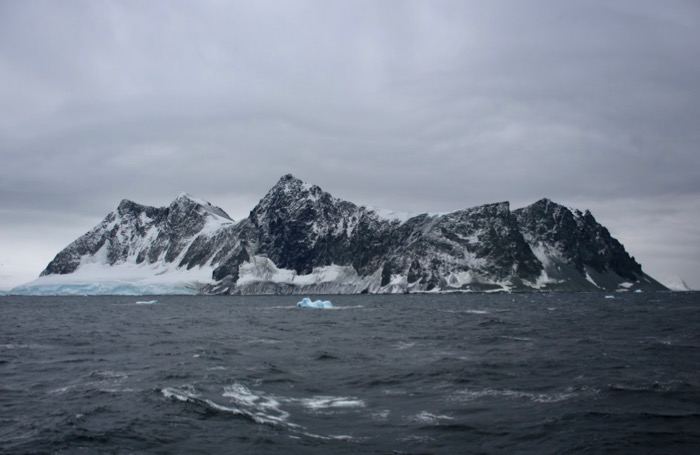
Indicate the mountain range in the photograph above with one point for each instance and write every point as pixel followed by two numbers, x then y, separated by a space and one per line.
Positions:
pixel 300 239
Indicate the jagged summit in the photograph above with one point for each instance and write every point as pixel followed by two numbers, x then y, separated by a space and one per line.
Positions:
pixel 289 178
pixel 292 187
pixel 301 239
pixel 186 202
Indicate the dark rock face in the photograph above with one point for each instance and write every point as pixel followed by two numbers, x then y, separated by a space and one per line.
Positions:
pixel 301 229
pixel 577 246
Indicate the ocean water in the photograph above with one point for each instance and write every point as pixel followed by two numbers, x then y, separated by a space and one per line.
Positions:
pixel 444 374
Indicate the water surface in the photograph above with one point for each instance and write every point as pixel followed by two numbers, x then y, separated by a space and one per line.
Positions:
pixel 458 373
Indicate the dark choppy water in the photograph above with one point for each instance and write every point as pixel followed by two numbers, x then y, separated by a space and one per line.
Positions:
pixel 551 373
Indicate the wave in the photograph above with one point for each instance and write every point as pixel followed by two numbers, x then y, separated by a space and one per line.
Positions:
pixel 10 346
pixel 514 338
pixel 568 394
pixel 465 311
pixel 329 402
pixel 325 355
pixel 428 418
pixel 266 408
pixel 107 381
pixel 188 394
pixel 673 385
pixel 402 345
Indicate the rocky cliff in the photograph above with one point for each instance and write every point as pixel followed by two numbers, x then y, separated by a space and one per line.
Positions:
pixel 300 239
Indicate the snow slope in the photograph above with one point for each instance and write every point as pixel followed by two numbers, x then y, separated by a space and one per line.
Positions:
pixel 121 279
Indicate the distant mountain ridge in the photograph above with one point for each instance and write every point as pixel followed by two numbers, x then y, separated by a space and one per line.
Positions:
pixel 300 239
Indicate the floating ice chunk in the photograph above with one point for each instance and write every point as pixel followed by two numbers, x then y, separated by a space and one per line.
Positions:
pixel 307 303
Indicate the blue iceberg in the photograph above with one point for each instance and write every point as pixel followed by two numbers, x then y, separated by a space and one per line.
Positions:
pixel 307 303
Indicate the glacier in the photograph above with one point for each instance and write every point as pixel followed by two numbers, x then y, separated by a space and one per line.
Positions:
pixel 121 279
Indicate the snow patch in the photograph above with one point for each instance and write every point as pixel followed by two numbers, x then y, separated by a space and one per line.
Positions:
pixel 402 217
pixel 588 278
pixel 397 284
pixel 542 281
pixel 547 255
pixel 459 279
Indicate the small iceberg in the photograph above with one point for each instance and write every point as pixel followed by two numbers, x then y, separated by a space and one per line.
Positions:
pixel 307 303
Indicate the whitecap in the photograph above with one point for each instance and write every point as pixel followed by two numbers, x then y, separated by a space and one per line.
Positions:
pixel 429 418
pixel 264 408
pixel 401 345
pixel 380 415
pixel 505 337
pixel 326 402
pixel 254 407
pixel 184 393
pixel 262 341
pixel 61 390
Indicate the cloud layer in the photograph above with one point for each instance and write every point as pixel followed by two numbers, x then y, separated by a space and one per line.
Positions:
pixel 408 105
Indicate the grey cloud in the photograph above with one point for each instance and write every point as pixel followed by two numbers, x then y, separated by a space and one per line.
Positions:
pixel 408 105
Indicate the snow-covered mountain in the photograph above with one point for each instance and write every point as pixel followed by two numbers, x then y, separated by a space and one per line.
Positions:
pixel 300 239
pixel 140 250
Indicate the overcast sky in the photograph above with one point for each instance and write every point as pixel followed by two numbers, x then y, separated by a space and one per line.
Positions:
pixel 413 106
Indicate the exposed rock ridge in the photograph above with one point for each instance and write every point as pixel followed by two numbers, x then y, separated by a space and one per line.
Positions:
pixel 300 239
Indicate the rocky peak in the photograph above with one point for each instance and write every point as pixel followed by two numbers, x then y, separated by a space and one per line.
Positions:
pixel 186 206
pixel 577 237
pixel 296 222
pixel 546 220
pixel 130 209
pixel 127 206
pixel 294 199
